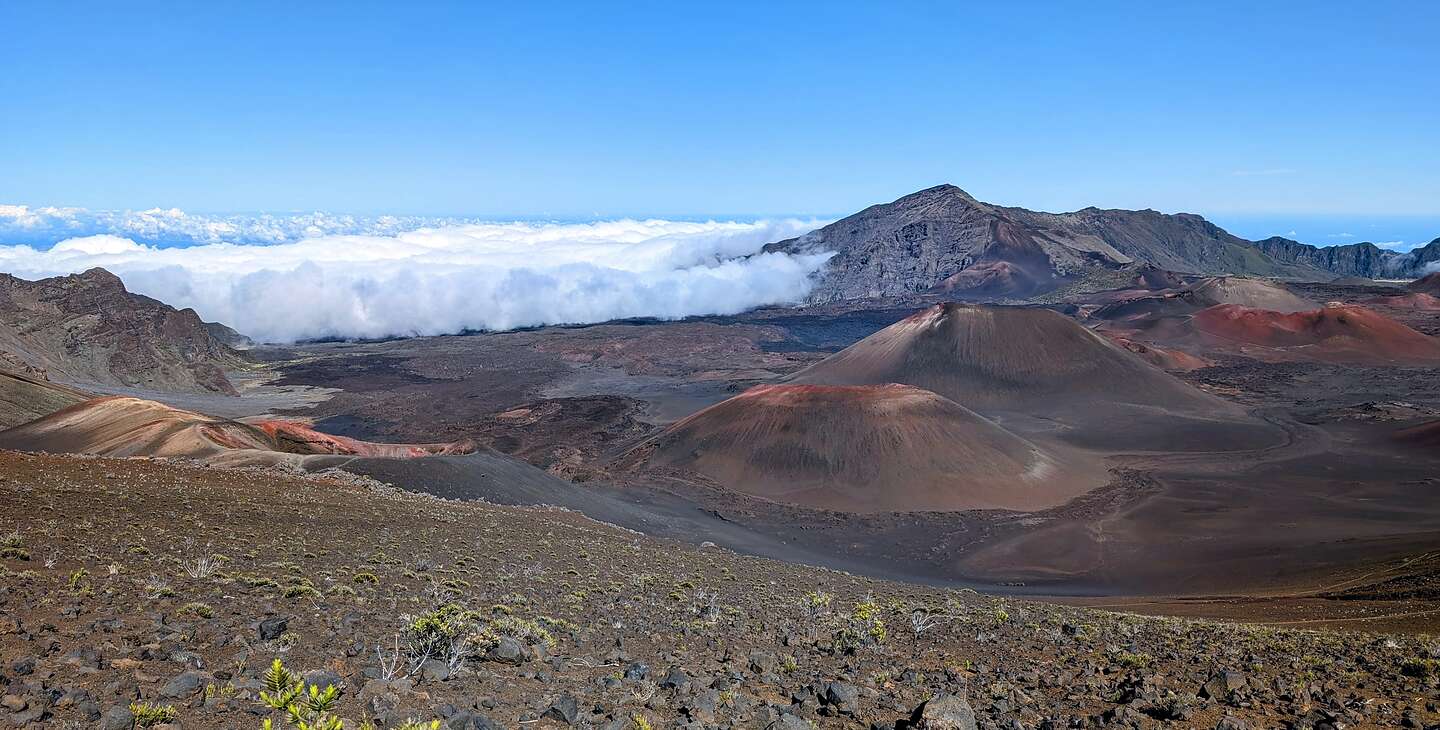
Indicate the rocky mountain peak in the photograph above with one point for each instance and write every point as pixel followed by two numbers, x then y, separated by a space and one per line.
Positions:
pixel 940 197
pixel 88 329
pixel 943 239
pixel 99 277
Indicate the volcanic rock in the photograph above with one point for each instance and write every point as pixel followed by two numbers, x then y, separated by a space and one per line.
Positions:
pixel 1357 259
pixel 25 397
pixel 86 328
pixel 125 426
pixel 865 449
pixel 1256 293
pixel 942 238
pixel 1011 358
pixel 1417 300
pixel 1429 284
pixel 1335 333
pixel 1425 435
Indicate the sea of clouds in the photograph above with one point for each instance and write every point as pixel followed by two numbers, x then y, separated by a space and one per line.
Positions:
pixel 282 278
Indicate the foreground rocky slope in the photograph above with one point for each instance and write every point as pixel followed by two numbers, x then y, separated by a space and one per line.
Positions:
pixel 87 328
pixel 137 592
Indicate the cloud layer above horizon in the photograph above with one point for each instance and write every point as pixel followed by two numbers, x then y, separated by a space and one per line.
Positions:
pixel 281 279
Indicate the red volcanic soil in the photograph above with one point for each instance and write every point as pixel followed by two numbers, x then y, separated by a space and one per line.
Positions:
pixel 993 278
pixel 298 438
pixel 1164 358
pixel 1417 300
pixel 1016 358
pixel 1426 434
pixel 1335 333
pixel 1141 310
pixel 1429 284
pixel 124 426
pixel 887 448
pixel 1154 278
pixel 1256 293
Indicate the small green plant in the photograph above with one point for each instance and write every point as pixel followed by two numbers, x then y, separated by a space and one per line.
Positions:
pixel 530 632
pixel 859 628
pixel 1420 667
pixel 197 609
pixel 157 587
pixel 816 603
pixel 10 547
pixel 437 633
pixel 306 707
pixel 302 591
pixel 1132 660
pixel 148 715
pixel 366 577
pixel 282 686
pixel 257 581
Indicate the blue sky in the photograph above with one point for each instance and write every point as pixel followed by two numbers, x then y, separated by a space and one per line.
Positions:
pixel 1314 112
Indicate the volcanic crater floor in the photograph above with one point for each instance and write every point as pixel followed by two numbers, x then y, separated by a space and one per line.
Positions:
pixel 1307 489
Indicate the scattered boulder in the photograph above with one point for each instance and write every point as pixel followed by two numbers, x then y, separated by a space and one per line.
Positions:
pixel 118 717
pixel 675 679
pixel 944 712
pixel 508 651
pixel 841 697
pixel 1222 684
pixel 183 685
pixel 566 709
pixel 272 628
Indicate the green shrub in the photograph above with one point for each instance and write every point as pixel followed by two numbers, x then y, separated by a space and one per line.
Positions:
pixel 302 591
pixel 1420 667
pixel 147 715
pixel 195 608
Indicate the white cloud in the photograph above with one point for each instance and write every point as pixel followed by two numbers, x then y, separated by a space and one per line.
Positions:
pixel 1393 245
pixel 1341 235
pixel 172 226
pixel 442 280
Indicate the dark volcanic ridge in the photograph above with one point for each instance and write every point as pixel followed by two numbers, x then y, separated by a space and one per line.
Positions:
pixel 1426 435
pixel 942 239
pixel 1429 284
pixel 87 329
pixel 884 448
pixel 1414 300
pixel 1359 260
